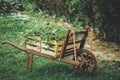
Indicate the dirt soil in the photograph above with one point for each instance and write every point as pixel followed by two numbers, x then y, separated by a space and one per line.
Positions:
pixel 107 53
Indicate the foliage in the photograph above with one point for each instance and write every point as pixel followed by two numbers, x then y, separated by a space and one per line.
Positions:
pixel 10 6
pixel 47 31
pixel 12 61
pixel 28 5
pixel 53 30
pixel 102 14
pixel 95 13
pixel 110 16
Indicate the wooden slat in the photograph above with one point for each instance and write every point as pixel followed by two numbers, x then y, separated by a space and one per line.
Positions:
pixel 49 49
pixel 68 54
pixel 69 43
pixel 33 39
pixel 80 32
pixel 33 45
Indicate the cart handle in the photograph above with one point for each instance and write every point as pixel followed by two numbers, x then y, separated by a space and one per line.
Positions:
pixel 14 45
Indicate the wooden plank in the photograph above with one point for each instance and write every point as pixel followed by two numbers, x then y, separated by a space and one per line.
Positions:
pixel 69 43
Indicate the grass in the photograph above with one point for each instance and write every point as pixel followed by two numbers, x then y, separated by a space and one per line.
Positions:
pixel 12 61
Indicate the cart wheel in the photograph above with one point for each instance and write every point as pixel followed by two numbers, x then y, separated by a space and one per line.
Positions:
pixel 88 62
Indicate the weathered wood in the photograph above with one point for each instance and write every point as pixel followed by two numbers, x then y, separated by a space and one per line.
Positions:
pixel 14 45
pixel 75 42
pixel 65 51
pixel 27 61
pixel 65 44
pixel 65 60
pixel 31 60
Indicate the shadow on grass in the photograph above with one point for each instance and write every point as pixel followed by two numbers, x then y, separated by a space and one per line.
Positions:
pixel 13 68
pixel 61 71
pixel 44 69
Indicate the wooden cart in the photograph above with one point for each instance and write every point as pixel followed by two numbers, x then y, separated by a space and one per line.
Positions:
pixel 83 60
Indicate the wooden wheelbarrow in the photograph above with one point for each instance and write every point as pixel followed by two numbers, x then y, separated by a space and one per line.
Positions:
pixel 83 60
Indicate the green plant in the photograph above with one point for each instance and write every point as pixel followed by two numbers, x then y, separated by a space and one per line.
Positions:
pixel 47 31
pixel 12 61
pixel 28 5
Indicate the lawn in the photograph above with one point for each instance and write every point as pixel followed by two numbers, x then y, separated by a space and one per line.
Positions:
pixel 12 61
